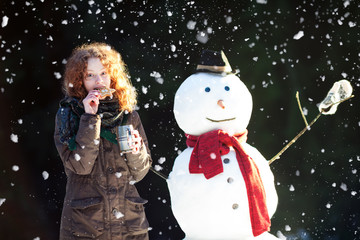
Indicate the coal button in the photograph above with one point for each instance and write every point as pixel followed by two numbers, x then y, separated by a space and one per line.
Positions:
pixel 230 180
pixel 226 160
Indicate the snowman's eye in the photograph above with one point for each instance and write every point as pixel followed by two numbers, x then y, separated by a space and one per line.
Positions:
pixel 207 89
pixel 227 88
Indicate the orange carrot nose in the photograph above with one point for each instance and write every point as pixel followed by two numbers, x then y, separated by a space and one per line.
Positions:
pixel 221 104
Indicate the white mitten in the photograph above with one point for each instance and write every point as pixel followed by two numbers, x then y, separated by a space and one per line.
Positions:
pixel 341 90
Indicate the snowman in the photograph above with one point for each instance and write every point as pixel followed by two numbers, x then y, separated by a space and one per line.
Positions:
pixel 221 188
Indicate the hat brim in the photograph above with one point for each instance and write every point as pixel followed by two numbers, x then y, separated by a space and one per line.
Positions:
pixel 215 69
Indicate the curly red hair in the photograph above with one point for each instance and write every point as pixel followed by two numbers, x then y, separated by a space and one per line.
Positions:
pixel 76 70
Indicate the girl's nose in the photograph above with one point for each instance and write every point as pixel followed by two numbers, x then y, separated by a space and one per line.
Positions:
pixel 98 78
pixel 221 104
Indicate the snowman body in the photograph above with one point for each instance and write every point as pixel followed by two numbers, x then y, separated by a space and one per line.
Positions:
pixel 216 208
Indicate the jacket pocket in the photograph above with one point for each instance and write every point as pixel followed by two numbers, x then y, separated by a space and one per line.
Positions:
pixel 135 218
pixel 87 217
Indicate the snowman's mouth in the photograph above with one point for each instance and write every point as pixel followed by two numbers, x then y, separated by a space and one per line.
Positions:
pixel 222 120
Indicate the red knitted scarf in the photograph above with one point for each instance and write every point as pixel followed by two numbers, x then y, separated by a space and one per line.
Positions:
pixel 206 159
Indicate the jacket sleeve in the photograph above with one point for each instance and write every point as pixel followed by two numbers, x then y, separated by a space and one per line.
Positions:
pixel 82 159
pixel 139 164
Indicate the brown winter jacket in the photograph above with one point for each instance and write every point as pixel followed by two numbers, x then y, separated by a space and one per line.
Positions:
pixel 101 201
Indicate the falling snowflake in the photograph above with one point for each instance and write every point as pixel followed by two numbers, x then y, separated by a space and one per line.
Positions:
pixel 343 186
pixel 261 1
pixel 57 75
pixel 191 25
pixel 5 20
pixel 352 24
pixel 77 157
pixel 118 214
pixel 15 168
pixel 158 167
pixel 299 35
pixel 202 37
pixel 161 160
pixel 45 175
pixel 14 138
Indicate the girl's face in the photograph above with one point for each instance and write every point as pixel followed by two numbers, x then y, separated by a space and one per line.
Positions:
pixel 96 76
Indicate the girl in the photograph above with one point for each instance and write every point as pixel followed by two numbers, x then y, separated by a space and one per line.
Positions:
pixel 101 201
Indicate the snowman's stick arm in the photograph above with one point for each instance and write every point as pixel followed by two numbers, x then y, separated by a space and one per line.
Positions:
pixel 307 127
pixel 301 111
pixel 277 156
pixel 158 173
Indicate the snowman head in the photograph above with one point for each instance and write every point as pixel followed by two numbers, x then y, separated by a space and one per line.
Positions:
pixel 213 98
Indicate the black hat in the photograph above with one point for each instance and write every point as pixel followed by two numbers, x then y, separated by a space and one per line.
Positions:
pixel 214 62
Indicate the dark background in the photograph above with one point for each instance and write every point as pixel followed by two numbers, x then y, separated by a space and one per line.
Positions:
pixel 317 178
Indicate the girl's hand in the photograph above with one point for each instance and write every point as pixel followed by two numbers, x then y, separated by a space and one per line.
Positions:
pixel 91 102
pixel 136 142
